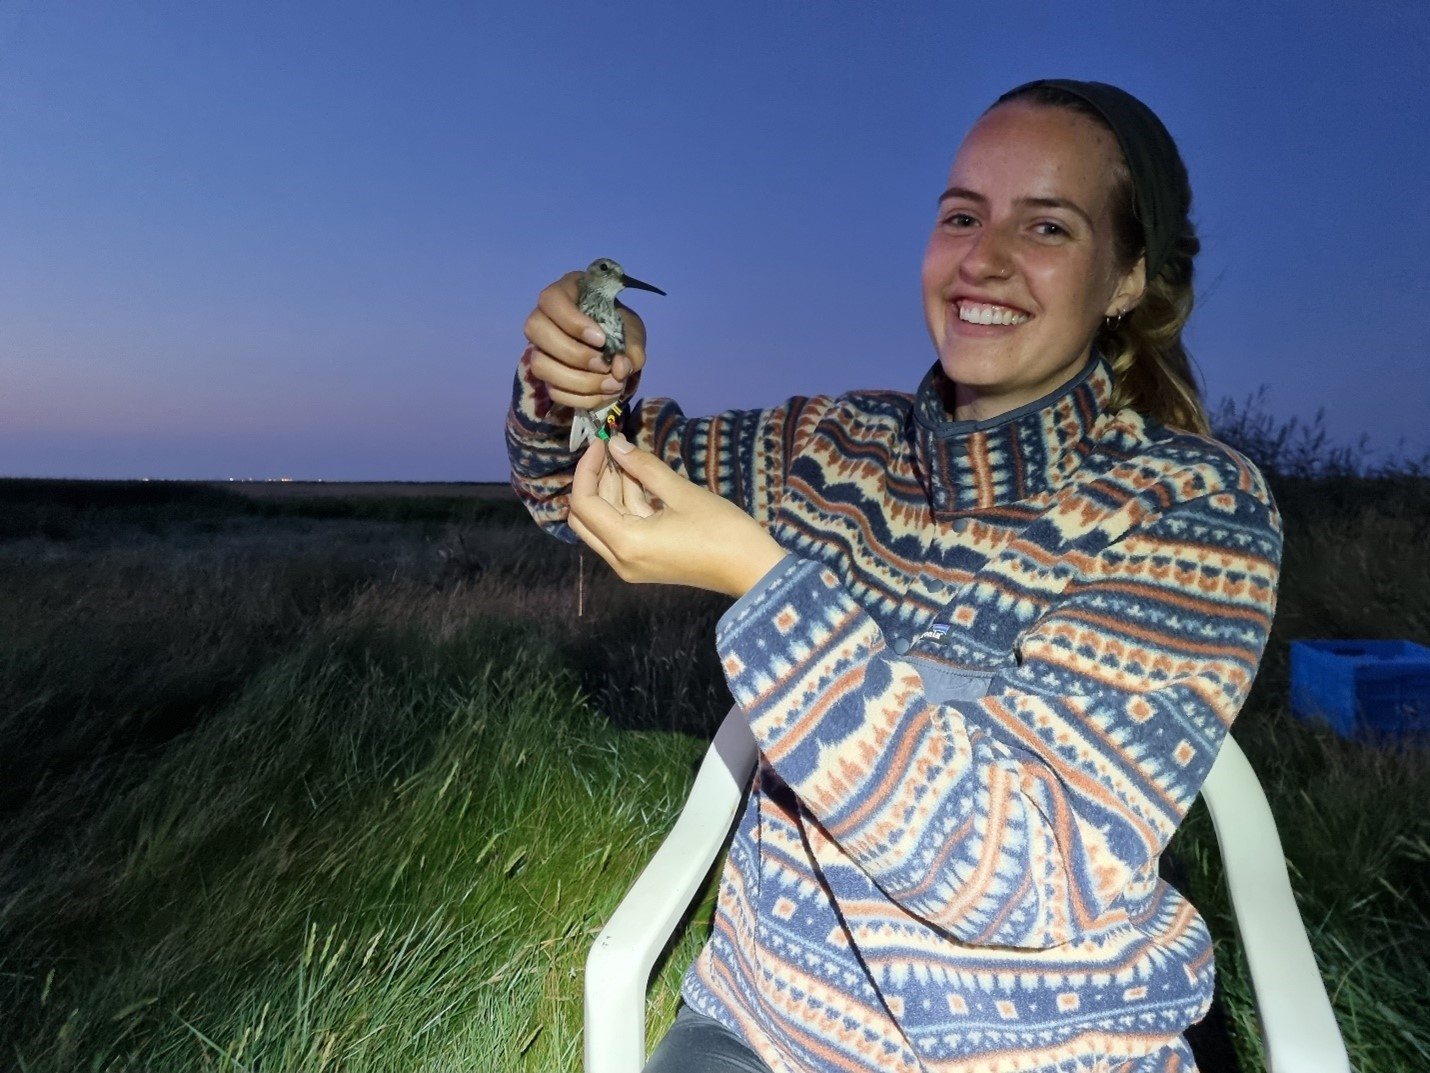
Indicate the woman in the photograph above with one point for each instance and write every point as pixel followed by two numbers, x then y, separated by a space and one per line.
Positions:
pixel 989 636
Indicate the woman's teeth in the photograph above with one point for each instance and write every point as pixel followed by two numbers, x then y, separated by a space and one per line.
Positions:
pixel 978 313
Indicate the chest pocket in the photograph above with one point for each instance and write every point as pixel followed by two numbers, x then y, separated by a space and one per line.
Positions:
pixel 943 683
pixel 989 614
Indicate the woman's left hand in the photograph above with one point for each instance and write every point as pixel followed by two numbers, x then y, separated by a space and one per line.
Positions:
pixel 653 525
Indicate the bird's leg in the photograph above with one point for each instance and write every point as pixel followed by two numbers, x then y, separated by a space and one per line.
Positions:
pixel 608 468
pixel 609 427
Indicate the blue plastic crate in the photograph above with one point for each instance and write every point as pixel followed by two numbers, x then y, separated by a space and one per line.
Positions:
pixel 1381 686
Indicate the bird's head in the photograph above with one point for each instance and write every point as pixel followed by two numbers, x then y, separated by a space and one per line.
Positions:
pixel 606 277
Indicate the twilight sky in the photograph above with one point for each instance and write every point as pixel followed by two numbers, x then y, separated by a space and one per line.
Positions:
pixel 261 239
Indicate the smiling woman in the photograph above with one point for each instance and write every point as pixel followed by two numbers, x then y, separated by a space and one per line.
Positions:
pixel 989 636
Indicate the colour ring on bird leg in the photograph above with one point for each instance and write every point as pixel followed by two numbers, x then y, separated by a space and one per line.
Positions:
pixel 608 426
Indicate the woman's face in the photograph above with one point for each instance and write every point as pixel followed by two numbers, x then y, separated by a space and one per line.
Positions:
pixel 1020 268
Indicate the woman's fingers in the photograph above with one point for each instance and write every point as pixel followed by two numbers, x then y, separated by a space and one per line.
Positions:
pixel 634 497
pixel 574 387
pixel 558 304
pixel 598 513
pixel 610 486
pixel 593 518
pixel 657 526
pixel 619 488
pixel 567 354
pixel 545 334
pixel 654 477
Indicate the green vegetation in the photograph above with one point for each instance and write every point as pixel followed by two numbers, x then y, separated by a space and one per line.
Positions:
pixel 317 783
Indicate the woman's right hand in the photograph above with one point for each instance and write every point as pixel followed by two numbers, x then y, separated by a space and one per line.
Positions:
pixel 566 350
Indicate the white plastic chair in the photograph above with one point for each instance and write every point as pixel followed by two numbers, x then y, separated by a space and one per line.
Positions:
pixel 1297 1025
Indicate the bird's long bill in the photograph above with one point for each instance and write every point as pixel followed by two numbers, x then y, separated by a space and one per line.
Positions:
pixel 631 281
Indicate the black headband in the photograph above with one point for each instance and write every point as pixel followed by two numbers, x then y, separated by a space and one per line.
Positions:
pixel 1159 178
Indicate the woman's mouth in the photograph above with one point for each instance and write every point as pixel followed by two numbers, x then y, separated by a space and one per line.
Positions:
pixel 985 313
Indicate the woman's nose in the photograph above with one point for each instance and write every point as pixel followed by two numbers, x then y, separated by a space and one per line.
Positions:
pixel 990 257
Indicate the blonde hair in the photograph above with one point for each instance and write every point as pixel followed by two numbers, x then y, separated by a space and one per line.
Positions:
pixel 1151 368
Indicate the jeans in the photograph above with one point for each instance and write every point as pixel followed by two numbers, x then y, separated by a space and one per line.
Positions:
pixel 698 1044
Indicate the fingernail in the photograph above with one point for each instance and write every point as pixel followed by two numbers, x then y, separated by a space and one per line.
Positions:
pixel 620 445
pixel 594 336
pixel 610 385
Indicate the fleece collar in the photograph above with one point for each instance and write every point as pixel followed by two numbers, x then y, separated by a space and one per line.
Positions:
pixel 973 465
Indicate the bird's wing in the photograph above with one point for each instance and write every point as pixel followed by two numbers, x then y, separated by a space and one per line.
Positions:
pixel 583 429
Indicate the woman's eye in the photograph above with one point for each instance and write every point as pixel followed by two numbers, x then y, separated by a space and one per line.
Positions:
pixel 958 219
pixel 1048 229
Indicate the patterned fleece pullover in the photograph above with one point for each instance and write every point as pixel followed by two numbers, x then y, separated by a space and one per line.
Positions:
pixel 986 683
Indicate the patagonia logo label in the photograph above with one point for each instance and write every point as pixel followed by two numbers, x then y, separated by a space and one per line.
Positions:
pixel 935 632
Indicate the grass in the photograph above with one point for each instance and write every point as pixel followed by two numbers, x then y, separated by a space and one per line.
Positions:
pixel 302 786
pixel 422 867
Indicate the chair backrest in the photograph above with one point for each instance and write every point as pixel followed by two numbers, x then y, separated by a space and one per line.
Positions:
pixel 619 965
pixel 1298 1026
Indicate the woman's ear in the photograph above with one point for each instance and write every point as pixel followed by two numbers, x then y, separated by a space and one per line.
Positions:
pixel 1129 289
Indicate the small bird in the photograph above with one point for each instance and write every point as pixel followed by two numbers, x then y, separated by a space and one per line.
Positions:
pixel 597 299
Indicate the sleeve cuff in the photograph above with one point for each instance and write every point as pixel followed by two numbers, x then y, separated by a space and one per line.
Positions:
pixel 745 604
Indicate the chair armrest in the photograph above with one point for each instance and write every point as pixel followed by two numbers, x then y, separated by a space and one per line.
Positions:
pixel 619 965
pixel 1298 1026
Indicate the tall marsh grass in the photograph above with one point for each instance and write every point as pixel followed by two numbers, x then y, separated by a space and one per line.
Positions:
pixel 352 788
pixel 379 855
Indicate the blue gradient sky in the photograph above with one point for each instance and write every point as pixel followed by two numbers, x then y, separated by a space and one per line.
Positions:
pixel 259 239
